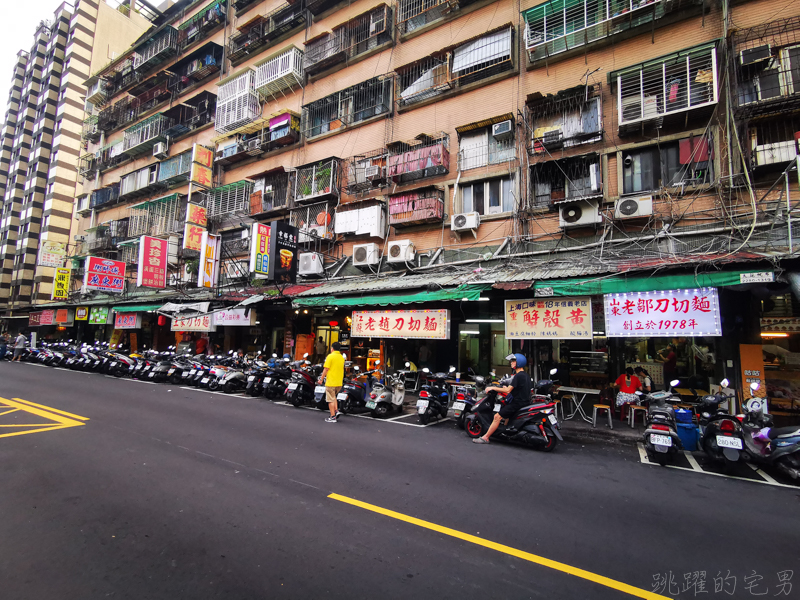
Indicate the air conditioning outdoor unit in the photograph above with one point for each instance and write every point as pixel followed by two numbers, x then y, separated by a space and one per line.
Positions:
pixel 581 213
pixel 401 251
pixel 465 222
pixel 632 207
pixel 254 144
pixel 366 254
pixel 503 130
pixel 633 109
pixel 160 151
pixel 373 172
pixel 310 264
pixel 753 55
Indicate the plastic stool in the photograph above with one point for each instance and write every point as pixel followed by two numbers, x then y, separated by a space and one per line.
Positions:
pixel 604 407
pixel 559 406
pixel 632 414
pixel 567 397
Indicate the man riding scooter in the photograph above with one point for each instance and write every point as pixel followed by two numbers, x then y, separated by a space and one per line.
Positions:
pixel 519 390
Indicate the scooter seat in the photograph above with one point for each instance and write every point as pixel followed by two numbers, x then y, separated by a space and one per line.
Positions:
pixel 784 432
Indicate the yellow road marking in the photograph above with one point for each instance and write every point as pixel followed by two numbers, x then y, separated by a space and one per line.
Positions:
pixel 8 411
pixel 539 560
pixel 52 410
pixel 51 414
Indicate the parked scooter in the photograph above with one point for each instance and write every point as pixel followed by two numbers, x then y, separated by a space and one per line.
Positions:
pixel 721 436
pixel 387 396
pixel 434 398
pixel 766 445
pixel 354 394
pixel 300 390
pixel 661 440
pixel 276 380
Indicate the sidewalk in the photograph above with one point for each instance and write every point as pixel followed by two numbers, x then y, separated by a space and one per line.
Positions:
pixel 621 434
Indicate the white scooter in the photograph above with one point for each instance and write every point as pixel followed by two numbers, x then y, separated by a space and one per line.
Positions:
pixel 385 396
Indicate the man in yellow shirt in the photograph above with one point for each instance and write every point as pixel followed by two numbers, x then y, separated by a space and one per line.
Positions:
pixel 333 376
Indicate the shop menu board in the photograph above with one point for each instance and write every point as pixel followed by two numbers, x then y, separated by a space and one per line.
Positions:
pixel 98 315
pixel 417 324
pixel 665 313
pixel 552 318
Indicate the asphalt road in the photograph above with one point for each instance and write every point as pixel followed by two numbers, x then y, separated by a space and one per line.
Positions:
pixel 174 493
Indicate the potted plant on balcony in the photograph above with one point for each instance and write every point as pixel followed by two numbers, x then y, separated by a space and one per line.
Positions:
pixel 322 177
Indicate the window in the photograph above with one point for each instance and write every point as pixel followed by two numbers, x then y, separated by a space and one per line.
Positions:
pixel 682 163
pixel 567 179
pixel 555 127
pixel 488 197
pixel 482 148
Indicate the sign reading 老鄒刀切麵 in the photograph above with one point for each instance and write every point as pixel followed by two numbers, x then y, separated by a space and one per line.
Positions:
pixel 663 313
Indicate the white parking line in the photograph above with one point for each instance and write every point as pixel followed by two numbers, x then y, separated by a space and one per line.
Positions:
pixel 133 380
pixel 692 460
pixel 202 391
pixel 760 472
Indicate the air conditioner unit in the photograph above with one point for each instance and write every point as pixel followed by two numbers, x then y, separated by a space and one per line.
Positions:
pixel 374 172
pixel 632 207
pixel 465 222
pixel 579 214
pixel 753 55
pixel 160 151
pixel 310 264
pixel 634 110
pixel 553 139
pixel 503 130
pixel 401 251
pixel 366 254
pixel 309 234
pixel 254 144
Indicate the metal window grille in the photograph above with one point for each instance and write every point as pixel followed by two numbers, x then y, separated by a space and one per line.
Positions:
pixel 347 107
pixel 568 179
pixel 90 131
pixel 175 167
pixel 237 103
pixel 270 193
pixel 356 36
pixel 479 149
pixel 672 85
pixel 139 180
pixel 413 14
pixel 279 73
pixel 316 180
pixel 158 217
pixel 87 166
pixel 258 33
pixel 156 50
pixel 366 171
pixel 228 199
pixel 773 141
pixel 567 118
pixel 424 156
pixel 314 221
pixel 104 195
pixel 424 79
pixel 145 132
pixel 201 22
pixel 129 254
pixel 414 208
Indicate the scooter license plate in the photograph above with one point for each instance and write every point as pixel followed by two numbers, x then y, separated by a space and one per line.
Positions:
pixel 152 373
pixel 320 389
pixel 459 406
pixel 371 404
pixel 552 419
pixel 251 378
pixel 97 362
pixel 724 441
pixel 497 407
pixel 185 374
pixel 170 372
pixel 660 440
pixel 341 396
pixel 292 386
pixel 422 403
pixel 204 380
pixel 192 372
pixel 114 364
pixel 267 379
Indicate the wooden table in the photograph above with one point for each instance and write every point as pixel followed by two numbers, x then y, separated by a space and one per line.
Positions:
pixel 579 395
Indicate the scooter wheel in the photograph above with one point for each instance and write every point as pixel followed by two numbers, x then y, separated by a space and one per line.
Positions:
pixel 380 411
pixel 552 442
pixel 425 418
pixel 213 385
pixel 473 428
pixel 296 400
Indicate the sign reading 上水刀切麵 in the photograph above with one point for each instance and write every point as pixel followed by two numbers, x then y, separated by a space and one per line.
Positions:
pixel 557 318
pixel 665 313
pixel 202 323
pixel 417 324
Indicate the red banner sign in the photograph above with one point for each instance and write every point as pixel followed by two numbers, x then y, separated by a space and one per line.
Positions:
pixel 104 274
pixel 152 271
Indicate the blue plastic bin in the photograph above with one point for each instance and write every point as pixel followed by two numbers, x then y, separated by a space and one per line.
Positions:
pixel 689 435
pixel 683 415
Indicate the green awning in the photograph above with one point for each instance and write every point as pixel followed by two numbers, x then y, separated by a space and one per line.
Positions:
pixel 137 307
pixel 472 292
pixel 619 284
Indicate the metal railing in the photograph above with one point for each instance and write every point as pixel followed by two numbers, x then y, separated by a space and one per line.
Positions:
pixel 424 156
pixel 279 73
pixel 413 14
pixel 358 35
pixel 258 34
pixel 491 152
pixel 317 180
pixel 270 193
pixel 348 107
pixel 144 135
pixel 567 179
pixel 228 199
pixel 415 208
pixel 156 50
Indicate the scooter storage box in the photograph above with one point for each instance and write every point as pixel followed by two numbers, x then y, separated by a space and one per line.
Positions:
pixel 683 415
pixel 688 434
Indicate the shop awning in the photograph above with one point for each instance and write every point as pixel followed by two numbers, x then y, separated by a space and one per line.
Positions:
pixel 472 292
pixel 137 307
pixel 175 307
pixel 618 284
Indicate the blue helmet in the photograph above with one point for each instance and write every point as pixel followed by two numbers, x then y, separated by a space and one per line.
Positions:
pixel 521 360
pixel 286 355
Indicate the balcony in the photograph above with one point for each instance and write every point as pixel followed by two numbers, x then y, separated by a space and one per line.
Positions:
pixel 203 22
pixel 103 196
pixel 235 243
pixel 116 116
pixel 262 31
pixel 87 166
pixel 279 73
pixel 424 156
pixel 195 68
pixel 229 200
pixel 671 85
pixel 175 170
pixel 415 14
pixel 317 181
pixel 110 156
pixel 416 208
pixel 446 70
pixel 282 129
pixel 315 222
pixel 238 104
pixel 190 115
pixel 139 183
pixel 156 50
pixel 159 217
pixel 773 142
pixel 766 68
pixel 97 93
pixel 561 25
pixel 366 172
pixel 90 132
pixel 271 192
pixel 349 40
pixel 566 119
pixel 98 240
pixel 570 179
pixel 348 107
pixel 143 136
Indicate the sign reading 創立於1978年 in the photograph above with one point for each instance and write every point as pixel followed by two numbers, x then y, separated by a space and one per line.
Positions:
pixel 551 318
pixel 418 324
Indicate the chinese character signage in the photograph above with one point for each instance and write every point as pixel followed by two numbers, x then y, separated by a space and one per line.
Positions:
pixel 61 284
pixel 196 222
pixel 34 319
pixel 98 315
pixel 104 274
pixel 283 252
pixel 204 323
pixel 209 261
pixel 236 316
pixel 260 250
pixel 417 324
pixel 128 320
pixel 202 161
pixel 667 313
pixel 152 269
pixel 48 317
pixel 556 318
pixel 82 313
pixel 196 214
pixel 65 316
pixel 52 254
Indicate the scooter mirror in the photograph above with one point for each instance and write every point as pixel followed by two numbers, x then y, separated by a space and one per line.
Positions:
pixel 285 360
pixel 274 355
pixel 452 370
pixel 553 371
pixel 426 370
pixel 408 364
pixel 230 351
pixel 305 355
pixel 724 383
pixel 258 353
pixel 674 383
pixel 754 386
pixel 377 362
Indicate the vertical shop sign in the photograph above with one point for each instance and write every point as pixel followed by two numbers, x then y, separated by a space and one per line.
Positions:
pixel 416 324
pixel 665 313
pixel 52 254
pixel 202 163
pixel 104 274
pixel 61 284
pixel 98 315
pixel 152 269
pixel 196 222
pixel 559 318
pixel 209 261
pixel 283 252
pixel 751 357
pixel 260 250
